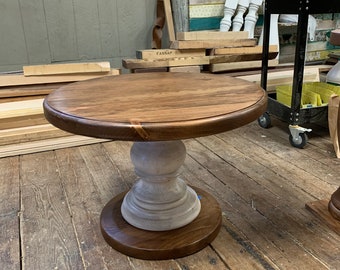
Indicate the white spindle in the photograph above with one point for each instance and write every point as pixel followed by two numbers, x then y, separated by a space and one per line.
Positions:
pixel 238 19
pixel 252 16
pixel 229 10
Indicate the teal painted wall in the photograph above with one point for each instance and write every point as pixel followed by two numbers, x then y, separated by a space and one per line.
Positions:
pixel 53 31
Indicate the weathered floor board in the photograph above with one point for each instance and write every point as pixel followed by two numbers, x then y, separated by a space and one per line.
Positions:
pixel 45 220
pixel 9 211
pixel 50 203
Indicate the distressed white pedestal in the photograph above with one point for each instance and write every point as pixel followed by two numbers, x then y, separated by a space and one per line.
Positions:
pixel 160 200
pixel 160 217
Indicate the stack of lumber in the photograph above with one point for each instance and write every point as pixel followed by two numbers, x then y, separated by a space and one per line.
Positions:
pixel 284 75
pixel 228 59
pixel 23 127
pixel 194 51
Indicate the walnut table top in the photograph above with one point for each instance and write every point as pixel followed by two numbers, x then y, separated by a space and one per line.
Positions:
pixel 155 106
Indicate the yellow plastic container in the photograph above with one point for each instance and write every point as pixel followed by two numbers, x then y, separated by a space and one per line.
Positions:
pixel 314 94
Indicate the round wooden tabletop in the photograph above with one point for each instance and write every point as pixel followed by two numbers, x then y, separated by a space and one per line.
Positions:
pixel 155 106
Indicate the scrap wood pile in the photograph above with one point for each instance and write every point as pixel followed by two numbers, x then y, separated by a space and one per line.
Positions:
pixel 213 51
pixel 23 127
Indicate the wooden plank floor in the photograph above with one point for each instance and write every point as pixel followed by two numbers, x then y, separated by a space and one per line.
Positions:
pixel 51 202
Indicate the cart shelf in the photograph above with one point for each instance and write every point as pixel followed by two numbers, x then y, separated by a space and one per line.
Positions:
pixel 294 115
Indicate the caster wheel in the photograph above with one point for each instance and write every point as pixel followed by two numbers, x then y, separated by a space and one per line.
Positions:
pixel 300 141
pixel 264 120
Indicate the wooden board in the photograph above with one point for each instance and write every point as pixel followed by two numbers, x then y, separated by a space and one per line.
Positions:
pixel 22 121
pixel 15 80
pixel 244 50
pixel 46 215
pixel 147 70
pixel 168 53
pixel 84 169
pixel 20 98
pixel 196 44
pixel 314 56
pixel 216 59
pixel 236 246
pixel 21 108
pixel 191 69
pixel 198 2
pixel 21 113
pixel 70 68
pixel 30 90
pixel 241 65
pixel 275 78
pixel 180 15
pixel 169 20
pixel 30 134
pixel 171 62
pixel 46 145
pixel 10 207
pixel 211 35
pixel 320 209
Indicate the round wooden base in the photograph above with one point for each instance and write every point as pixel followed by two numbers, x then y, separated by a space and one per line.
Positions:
pixel 334 204
pixel 151 245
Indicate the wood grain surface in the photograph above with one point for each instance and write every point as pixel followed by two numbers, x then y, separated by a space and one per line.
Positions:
pixel 155 106
pixel 51 203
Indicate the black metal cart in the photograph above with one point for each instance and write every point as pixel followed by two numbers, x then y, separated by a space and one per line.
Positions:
pixel 294 115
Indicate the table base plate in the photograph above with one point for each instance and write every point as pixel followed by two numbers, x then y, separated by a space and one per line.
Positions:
pixel 151 245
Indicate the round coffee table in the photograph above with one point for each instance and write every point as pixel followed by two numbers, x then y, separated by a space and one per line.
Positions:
pixel 161 217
